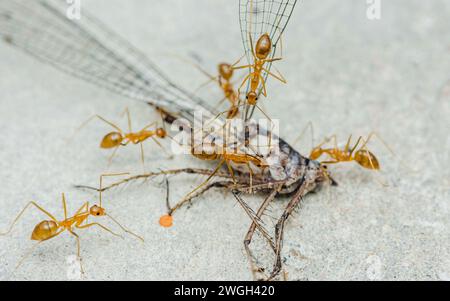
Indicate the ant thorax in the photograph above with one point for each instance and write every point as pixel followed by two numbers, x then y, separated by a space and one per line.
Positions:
pixel 269 157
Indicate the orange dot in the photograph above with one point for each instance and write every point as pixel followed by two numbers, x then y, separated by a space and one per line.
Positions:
pixel 166 221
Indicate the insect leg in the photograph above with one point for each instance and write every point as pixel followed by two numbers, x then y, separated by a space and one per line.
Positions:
pixel 125 229
pixel 278 77
pixel 142 155
pixel 165 172
pixel 112 155
pixel 309 126
pixel 23 211
pixel 127 111
pixel 256 224
pixel 99 225
pixel 219 184
pixel 279 228
pixel 188 196
pixel 101 183
pixel 78 249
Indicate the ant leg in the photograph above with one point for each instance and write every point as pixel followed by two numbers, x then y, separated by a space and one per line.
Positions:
pixel 23 211
pixel 243 67
pixel 101 184
pixel 102 119
pixel 230 170
pixel 88 121
pixel 267 116
pixel 163 124
pixel 369 156
pixel 149 126
pixel 273 60
pixel 376 135
pixel 127 112
pixel 334 138
pixel 112 155
pixel 207 180
pixel 220 103
pixel 238 61
pixel 98 225
pixel 278 77
pixel 65 206
pixel 329 162
pixel 85 206
pixel 30 251
pixel 309 126
pixel 327 140
pixel 161 146
pixel 208 122
pixel 347 145
pixel 142 155
pixel 247 78
pixel 78 249
pixel 199 68
pixel 263 83
pixel 125 229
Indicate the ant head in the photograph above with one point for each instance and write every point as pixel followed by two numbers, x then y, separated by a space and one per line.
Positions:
pixel 252 98
pixel 111 140
pixel 366 159
pixel 161 133
pixel 97 211
pixel 316 153
pixel 44 230
pixel 225 71
pixel 263 47
pixel 325 175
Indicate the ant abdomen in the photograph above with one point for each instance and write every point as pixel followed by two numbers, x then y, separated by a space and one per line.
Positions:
pixel 44 230
pixel 263 47
pixel 111 140
pixel 366 159
pixel 226 71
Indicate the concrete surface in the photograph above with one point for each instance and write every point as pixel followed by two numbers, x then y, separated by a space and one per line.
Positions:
pixel 346 74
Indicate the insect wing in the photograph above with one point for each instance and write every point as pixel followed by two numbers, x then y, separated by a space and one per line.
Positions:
pixel 87 49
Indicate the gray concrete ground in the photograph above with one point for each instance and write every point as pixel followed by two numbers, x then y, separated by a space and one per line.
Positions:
pixel 346 74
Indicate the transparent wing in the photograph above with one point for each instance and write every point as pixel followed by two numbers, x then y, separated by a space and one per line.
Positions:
pixel 258 17
pixel 87 49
